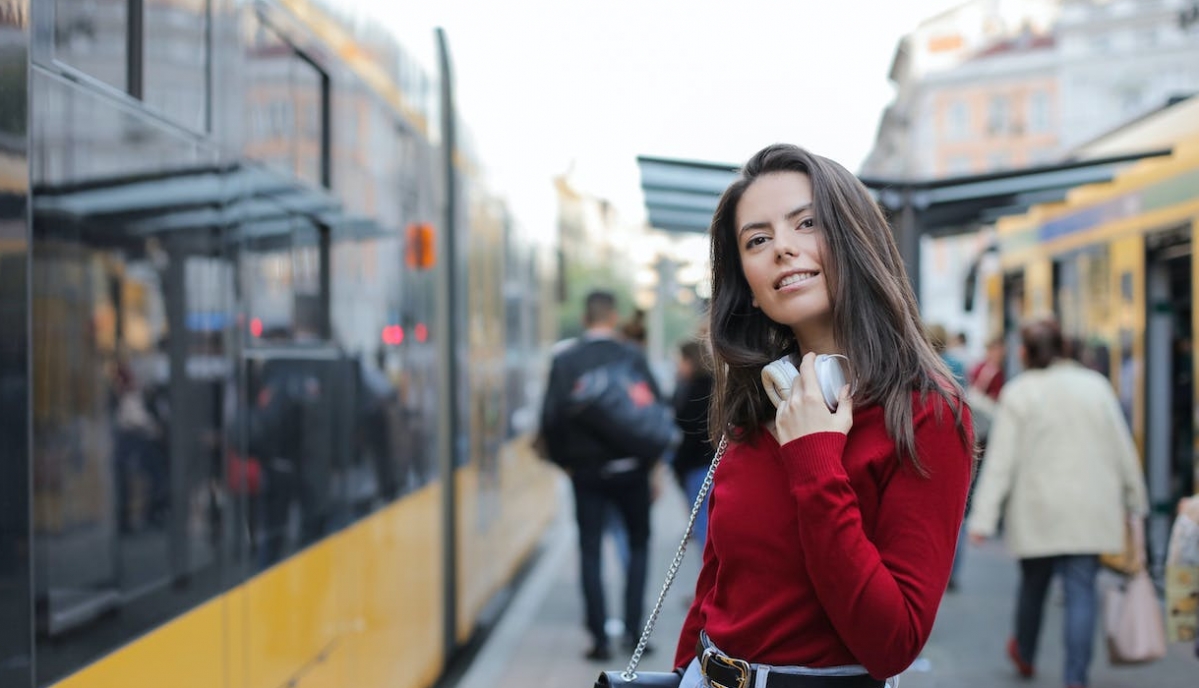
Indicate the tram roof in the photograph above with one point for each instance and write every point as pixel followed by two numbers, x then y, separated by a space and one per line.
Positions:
pixel 681 195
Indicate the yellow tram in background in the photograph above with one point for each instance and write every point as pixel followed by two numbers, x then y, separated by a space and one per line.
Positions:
pixel 1116 263
pixel 270 351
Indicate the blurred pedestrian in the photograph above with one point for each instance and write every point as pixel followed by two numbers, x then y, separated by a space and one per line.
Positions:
pixel 987 375
pixel 830 533
pixel 939 338
pixel 959 348
pixel 983 383
pixel 600 474
pixel 634 332
pixel 694 454
pixel 1061 463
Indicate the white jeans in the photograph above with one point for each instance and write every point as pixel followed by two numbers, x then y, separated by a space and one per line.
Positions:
pixel 692 678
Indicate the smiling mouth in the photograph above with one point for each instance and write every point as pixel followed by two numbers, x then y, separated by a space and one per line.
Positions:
pixel 793 278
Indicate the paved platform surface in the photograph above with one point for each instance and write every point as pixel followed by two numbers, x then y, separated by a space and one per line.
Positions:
pixel 540 640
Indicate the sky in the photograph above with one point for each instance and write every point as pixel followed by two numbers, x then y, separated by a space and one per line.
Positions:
pixel 588 85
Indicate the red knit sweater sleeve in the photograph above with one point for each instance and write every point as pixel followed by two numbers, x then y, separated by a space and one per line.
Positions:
pixel 881 593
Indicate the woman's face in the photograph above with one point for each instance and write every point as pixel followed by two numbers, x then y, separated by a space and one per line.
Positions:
pixel 781 251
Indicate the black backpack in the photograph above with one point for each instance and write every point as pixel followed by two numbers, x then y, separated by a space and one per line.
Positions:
pixel 617 404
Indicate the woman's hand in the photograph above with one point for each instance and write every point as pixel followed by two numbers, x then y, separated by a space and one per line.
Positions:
pixel 803 412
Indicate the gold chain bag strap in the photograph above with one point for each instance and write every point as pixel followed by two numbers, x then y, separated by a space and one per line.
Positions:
pixel 629 678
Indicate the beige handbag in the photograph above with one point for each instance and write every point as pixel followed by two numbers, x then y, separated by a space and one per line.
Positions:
pixel 1182 575
pixel 1133 623
pixel 1132 558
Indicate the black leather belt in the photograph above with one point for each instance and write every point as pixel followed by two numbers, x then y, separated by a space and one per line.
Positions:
pixel 725 672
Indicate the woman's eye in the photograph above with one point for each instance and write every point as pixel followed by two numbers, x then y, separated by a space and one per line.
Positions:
pixel 755 241
pixel 807 223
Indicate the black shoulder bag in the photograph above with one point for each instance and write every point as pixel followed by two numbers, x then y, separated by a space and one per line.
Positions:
pixel 629 678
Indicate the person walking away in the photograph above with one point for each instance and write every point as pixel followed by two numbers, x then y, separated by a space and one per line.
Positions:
pixel 600 474
pixel 832 521
pixel 1061 464
pixel 694 454
pixel 987 374
pixel 634 332
pixel 938 338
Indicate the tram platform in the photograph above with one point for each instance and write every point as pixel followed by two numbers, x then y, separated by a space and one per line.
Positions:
pixel 539 640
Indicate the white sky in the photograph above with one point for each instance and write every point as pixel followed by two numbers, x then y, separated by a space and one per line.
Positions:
pixel 544 85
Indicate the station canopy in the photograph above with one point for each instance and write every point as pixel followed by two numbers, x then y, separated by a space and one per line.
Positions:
pixel 249 202
pixel 681 195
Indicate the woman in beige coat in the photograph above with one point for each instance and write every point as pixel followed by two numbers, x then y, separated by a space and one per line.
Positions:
pixel 1061 457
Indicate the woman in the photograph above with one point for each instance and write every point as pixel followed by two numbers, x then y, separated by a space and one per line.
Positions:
pixel 1062 468
pixel 830 534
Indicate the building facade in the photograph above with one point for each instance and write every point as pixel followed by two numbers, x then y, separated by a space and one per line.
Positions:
pixel 993 86
pixel 1119 60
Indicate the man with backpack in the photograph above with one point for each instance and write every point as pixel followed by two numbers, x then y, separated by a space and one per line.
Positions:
pixel 607 466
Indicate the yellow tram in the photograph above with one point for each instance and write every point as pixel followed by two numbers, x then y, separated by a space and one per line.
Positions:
pixel 269 357
pixel 1116 263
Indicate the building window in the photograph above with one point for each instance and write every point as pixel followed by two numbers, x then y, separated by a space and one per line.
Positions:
pixel 1147 37
pixel 998 116
pixel 1039 157
pixel 1132 97
pixel 959 165
pixel 1038 112
pixel 958 120
pixel 999 160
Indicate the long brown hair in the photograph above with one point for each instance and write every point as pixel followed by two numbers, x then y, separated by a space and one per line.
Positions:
pixel 875 318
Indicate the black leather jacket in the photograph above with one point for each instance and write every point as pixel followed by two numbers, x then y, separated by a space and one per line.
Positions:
pixel 570 444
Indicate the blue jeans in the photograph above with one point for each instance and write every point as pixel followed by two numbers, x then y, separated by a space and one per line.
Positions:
pixel 692 482
pixel 959 551
pixel 628 493
pixel 1078 573
pixel 614 528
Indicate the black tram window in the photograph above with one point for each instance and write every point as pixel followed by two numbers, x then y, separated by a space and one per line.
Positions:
pixel 154 50
pixel 133 302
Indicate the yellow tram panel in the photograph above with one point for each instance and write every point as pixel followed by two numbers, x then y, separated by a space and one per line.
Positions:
pixel 188 652
pixel 496 536
pixel 1038 287
pixel 395 637
pixel 361 607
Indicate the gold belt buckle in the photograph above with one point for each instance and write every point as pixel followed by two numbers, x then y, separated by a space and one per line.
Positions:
pixel 738 665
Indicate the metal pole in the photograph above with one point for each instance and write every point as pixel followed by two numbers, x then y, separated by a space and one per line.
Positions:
pixel 16 490
pixel 448 379
pixel 907 236
pixel 178 440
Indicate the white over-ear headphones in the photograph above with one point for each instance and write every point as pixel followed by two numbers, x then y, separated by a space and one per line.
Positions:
pixel 778 375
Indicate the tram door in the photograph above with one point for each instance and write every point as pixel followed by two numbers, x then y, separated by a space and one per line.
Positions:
pixel 1169 384
pixel 295 407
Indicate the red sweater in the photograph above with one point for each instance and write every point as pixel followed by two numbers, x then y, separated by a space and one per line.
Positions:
pixel 826 551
